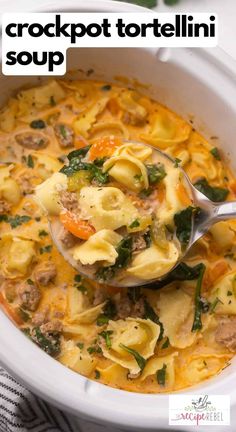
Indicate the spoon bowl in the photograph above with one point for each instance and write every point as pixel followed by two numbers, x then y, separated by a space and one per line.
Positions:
pixel 208 214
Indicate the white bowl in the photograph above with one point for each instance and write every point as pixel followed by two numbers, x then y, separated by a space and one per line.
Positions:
pixel 194 83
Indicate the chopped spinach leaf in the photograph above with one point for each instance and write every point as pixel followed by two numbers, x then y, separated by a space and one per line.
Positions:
pixel 183 223
pixel 161 375
pixel 109 312
pixel 151 314
pixel 181 273
pixel 215 194
pixel 214 304
pixel 102 319
pixel 100 161
pixel 145 3
pixel 3 218
pixel 80 345
pixel 77 278
pixel 30 161
pixel 197 322
pixel 45 249
pixel 166 344
pixel 145 193
pixel 30 282
pixel 139 359
pixel 215 152
pixel 124 250
pixel 134 224
pixel 38 124
pixel 156 173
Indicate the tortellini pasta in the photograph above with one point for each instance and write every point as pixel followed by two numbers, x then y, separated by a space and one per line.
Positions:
pixel 157 363
pixel 21 254
pixel 99 247
pixel 224 295
pixel 9 188
pixel 138 151
pixel 106 207
pixel 154 262
pixel 138 334
pixel 47 193
pixel 85 122
pixel 128 171
pixel 72 358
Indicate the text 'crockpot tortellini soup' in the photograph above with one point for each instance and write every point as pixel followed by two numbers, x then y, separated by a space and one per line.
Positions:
pixel 123 211
pixel 69 153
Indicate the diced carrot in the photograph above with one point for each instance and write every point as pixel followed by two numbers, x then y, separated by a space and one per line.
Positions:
pixel 79 228
pixel 183 195
pixel 80 142
pixel 10 311
pixel 104 146
pixel 213 273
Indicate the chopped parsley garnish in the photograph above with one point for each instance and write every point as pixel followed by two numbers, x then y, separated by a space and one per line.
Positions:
pixel 106 87
pixel 134 224
pixel 80 345
pixel 149 313
pixel 29 161
pixel 30 282
pixel 43 233
pixel 105 334
pixel 52 101
pixel 197 322
pixel 156 173
pixel 95 349
pixel 177 162
pixel 50 343
pixel 38 124
pixel 16 220
pixel 63 131
pixel 97 374
pixel 161 375
pixel 77 278
pixel 215 152
pixel 45 249
pixel 229 293
pixel 139 359
pixel 215 194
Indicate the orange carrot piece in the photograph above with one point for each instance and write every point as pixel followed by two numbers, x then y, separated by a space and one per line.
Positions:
pixel 104 146
pixel 79 228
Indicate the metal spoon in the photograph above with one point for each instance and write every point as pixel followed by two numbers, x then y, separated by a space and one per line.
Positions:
pixel 209 214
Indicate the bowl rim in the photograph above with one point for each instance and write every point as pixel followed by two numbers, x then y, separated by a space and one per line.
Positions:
pixel 59 385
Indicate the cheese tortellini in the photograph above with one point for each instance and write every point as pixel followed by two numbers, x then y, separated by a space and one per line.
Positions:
pixel 138 334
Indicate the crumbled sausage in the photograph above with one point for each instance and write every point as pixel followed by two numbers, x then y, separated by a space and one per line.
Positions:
pixel 35 141
pixel 133 120
pixel 4 207
pixel 64 134
pixel 29 296
pixel 226 334
pixel 41 317
pixel 138 243
pixel 67 239
pixel 99 296
pixel 45 273
pixel 25 184
pixel 69 200
pixel 54 326
pixel 126 308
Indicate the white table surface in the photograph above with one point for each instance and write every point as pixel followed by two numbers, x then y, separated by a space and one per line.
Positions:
pixel 226 10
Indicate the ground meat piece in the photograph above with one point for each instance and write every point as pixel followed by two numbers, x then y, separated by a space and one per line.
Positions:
pixel 133 120
pixel 45 273
pixel 35 141
pixel 25 184
pixel 54 326
pixel 29 296
pixel 69 200
pixel 5 207
pixel 126 308
pixel 41 317
pixel 226 334
pixel 138 243
pixel 99 296
pixel 67 239
pixel 65 135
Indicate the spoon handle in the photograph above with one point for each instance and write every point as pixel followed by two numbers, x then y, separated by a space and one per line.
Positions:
pixel 224 211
